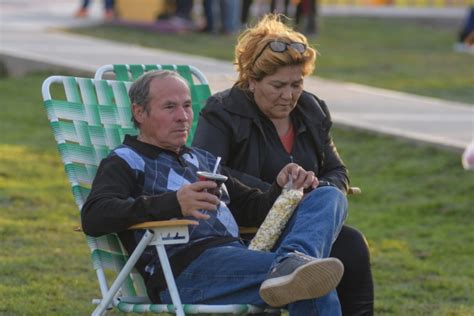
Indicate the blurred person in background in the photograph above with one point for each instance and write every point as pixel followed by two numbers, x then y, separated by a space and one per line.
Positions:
pixel 222 17
pixel 267 120
pixel 179 20
pixel 245 10
pixel 306 17
pixel 465 42
pixel 305 13
pixel 109 13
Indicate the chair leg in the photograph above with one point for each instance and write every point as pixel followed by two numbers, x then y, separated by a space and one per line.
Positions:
pixel 165 265
pixel 147 237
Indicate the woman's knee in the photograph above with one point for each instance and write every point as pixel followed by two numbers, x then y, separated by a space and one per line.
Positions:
pixel 351 248
pixel 356 290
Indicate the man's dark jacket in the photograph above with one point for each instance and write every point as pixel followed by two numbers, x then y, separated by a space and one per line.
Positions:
pixel 137 182
pixel 232 126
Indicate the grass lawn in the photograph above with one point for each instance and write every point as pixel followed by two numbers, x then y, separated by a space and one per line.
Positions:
pixel 411 55
pixel 416 211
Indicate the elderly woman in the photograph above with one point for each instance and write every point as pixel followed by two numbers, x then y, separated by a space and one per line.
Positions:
pixel 267 120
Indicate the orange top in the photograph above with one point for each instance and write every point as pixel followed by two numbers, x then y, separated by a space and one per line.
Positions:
pixel 288 139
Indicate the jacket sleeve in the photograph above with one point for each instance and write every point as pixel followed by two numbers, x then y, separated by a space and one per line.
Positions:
pixel 250 206
pixel 248 180
pixel 333 169
pixel 114 204
pixel 214 134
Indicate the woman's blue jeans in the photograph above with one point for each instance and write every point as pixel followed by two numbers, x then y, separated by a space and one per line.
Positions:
pixel 232 274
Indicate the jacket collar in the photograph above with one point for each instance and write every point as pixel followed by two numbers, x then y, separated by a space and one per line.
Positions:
pixel 151 151
pixel 309 107
pixel 246 105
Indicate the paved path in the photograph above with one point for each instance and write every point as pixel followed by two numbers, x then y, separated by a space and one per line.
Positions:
pixel 28 34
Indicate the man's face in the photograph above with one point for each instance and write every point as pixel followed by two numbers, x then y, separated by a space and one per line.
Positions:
pixel 276 95
pixel 169 117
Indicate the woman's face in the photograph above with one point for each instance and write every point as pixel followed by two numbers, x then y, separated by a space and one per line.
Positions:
pixel 276 94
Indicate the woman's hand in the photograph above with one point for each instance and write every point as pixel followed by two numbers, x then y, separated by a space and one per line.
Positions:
pixel 193 197
pixel 300 178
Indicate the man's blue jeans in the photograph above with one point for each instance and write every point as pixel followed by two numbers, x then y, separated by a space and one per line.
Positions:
pixel 232 274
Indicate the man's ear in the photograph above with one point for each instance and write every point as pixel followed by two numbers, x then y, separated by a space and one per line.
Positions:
pixel 138 112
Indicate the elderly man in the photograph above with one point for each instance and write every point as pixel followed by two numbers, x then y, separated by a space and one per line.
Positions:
pixel 153 177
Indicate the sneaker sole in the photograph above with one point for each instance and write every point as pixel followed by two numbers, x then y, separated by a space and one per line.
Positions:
pixel 312 280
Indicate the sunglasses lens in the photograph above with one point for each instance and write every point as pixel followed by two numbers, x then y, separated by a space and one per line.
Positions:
pixel 299 47
pixel 278 47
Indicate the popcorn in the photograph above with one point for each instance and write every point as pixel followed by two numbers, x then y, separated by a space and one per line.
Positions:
pixel 276 220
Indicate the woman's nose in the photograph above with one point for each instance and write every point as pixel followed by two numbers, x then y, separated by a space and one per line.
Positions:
pixel 287 93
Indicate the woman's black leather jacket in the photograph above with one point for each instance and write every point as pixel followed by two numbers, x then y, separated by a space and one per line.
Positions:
pixel 232 126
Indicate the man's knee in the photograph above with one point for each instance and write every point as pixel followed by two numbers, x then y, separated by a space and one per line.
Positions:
pixel 330 197
pixel 327 192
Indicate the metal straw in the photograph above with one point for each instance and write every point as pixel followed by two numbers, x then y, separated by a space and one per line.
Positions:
pixel 217 164
pixel 289 184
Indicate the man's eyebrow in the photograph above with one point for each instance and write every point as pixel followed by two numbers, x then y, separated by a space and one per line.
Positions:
pixel 169 102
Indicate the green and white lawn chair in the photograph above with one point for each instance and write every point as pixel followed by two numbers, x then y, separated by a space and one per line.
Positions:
pixel 198 83
pixel 89 118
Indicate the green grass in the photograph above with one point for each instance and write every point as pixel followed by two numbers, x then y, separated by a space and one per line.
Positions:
pixel 411 55
pixel 416 211
pixel 41 259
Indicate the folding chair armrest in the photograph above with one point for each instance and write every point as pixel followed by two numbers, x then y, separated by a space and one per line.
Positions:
pixel 154 224
pixel 354 190
pixel 247 230
pixel 168 223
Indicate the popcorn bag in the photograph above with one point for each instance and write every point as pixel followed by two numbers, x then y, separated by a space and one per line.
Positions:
pixel 276 220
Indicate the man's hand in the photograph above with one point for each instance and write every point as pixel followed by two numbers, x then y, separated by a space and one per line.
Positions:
pixel 300 177
pixel 193 198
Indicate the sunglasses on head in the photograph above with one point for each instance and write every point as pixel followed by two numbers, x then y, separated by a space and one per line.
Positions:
pixel 280 47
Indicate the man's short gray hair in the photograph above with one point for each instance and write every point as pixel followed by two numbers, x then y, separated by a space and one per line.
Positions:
pixel 139 92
